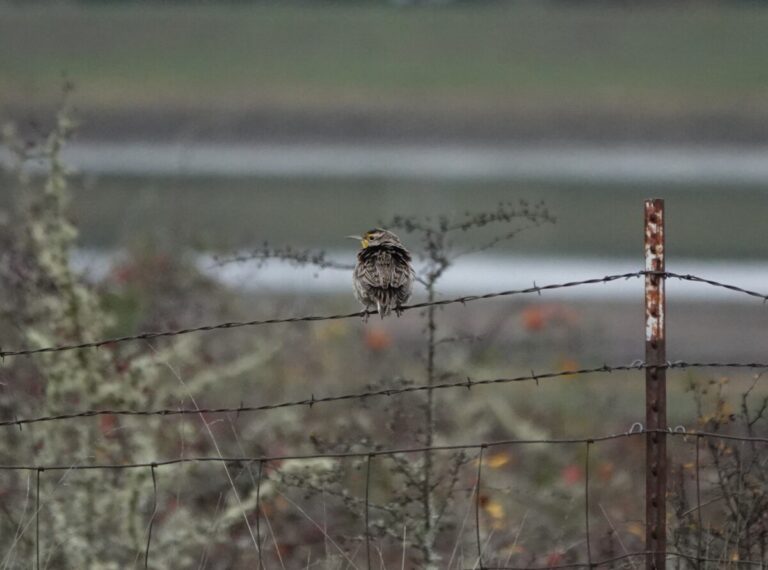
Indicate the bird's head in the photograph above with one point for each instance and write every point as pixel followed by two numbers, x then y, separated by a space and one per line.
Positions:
pixel 377 237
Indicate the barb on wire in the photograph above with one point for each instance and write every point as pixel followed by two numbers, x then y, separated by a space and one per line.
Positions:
pixel 376 452
pixel 388 392
pixel 309 318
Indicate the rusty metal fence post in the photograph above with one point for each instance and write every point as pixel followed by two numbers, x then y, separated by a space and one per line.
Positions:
pixel 655 389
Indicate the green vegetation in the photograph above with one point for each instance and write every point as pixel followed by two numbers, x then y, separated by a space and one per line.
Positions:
pixel 224 214
pixel 458 57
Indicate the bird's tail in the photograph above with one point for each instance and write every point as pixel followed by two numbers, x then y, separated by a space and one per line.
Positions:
pixel 383 309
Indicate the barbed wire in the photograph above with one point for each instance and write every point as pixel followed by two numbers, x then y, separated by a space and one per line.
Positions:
pixel 633 431
pixel 467 383
pixel 314 318
pixel 713 283
pixel 627 556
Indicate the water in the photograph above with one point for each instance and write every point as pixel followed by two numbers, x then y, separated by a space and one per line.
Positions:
pixel 233 197
pixel 566 163
pixel 479 275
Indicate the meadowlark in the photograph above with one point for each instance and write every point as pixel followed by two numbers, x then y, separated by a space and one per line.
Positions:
pixel 383 276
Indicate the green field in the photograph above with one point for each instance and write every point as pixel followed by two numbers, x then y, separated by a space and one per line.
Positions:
pixel 642 59
pixel 223 214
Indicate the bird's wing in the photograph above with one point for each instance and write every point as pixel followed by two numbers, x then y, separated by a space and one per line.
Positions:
pixel 367 273
pixel 401 276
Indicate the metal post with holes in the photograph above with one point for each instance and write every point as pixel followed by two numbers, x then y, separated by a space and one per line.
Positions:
pixel 655 389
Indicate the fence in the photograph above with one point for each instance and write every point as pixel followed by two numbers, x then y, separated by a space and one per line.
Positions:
pixel 655 430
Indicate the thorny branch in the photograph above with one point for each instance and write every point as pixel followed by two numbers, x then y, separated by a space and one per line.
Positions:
pixel 297 257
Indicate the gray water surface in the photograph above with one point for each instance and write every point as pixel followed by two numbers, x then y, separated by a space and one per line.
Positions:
pixel 481 274
pixel 572 163
pixel 226 197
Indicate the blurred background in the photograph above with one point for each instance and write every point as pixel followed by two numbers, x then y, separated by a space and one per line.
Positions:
pixel 218 125
pixel 590 106
pixel 268 131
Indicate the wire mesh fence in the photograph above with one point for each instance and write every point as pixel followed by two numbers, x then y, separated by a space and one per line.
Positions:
pixel 693 438
pixel 373 454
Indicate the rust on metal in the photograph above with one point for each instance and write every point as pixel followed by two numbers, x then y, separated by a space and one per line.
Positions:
pixel 655 388
pixel 654 261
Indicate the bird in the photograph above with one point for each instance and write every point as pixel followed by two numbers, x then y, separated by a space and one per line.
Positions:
pixel 383 275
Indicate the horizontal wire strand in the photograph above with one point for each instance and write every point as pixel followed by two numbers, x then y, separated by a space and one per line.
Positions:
pixel 378 452
pixel 467 383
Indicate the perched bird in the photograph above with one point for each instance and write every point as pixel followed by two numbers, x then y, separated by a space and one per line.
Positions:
pixel 383 275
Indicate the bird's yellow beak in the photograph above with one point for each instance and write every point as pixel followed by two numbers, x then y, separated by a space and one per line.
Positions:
pixel 363 241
